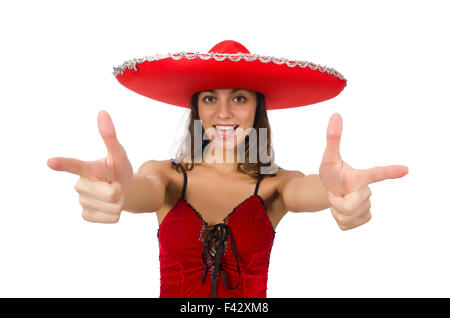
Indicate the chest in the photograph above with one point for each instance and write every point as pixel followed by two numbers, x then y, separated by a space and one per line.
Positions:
pixel 213 199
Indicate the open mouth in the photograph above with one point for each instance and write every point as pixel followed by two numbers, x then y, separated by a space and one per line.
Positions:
pixel 225 131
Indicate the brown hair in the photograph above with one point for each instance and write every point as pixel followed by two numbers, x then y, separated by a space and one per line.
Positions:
pixel 252 169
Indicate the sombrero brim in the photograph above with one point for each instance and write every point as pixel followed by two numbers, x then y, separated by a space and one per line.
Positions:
pixel 174 78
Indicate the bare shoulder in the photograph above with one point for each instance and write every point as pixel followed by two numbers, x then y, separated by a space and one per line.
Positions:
pixel 284 176
pixel 164 169
pixel 159 168
pixel 276 207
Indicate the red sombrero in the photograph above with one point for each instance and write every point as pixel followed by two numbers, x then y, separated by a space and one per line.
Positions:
pixel 173 78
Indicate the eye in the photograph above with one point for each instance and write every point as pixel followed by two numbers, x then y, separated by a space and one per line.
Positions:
pixel 244 99
pixel 204 98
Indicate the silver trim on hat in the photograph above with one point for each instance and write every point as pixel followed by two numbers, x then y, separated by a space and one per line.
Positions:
pixel 235 57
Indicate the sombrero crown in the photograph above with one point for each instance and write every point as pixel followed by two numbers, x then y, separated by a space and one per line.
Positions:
pixel 173 78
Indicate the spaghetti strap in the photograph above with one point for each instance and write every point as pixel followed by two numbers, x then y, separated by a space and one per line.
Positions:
pixel 257 187
pixel 183 192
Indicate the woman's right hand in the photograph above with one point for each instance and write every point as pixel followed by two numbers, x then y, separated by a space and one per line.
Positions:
pixel 103 183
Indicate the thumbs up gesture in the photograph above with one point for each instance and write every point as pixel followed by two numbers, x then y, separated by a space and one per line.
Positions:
pixel 348 190
pixel 103 183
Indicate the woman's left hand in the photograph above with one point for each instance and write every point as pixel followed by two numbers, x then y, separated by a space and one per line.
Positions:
pixel 348 190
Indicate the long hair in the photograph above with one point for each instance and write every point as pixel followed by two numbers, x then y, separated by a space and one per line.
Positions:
pixel 186 158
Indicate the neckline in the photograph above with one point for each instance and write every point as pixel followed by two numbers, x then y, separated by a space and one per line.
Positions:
pixel 225 219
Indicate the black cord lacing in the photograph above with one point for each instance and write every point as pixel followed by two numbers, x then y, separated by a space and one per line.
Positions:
pixel 218 236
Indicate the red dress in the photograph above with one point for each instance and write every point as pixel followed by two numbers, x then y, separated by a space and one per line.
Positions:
pixel 192 253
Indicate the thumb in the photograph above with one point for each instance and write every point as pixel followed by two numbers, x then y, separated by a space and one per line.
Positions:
pixel 334 132
pixel 108 133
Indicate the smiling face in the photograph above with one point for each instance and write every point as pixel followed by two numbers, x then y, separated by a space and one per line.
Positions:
pixel 223 110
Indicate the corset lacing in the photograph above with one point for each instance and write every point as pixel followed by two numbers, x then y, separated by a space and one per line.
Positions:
pixel 217 238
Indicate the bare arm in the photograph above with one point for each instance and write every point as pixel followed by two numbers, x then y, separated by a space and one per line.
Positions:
pixel 147 190
pixel 304 193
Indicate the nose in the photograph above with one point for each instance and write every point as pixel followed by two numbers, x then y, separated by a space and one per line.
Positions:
pixel 224 110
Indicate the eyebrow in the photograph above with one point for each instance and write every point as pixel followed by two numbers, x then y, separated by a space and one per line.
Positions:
pixel 214 91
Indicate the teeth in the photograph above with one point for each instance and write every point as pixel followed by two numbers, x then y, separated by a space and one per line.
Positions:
pixel 225 127
pixel 225 130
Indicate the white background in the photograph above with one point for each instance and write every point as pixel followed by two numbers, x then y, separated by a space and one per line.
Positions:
pixel 56 75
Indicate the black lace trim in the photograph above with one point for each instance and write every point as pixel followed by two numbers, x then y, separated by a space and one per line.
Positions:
pixel 225 220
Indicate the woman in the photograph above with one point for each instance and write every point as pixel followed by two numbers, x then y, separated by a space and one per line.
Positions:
pixel 220 200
